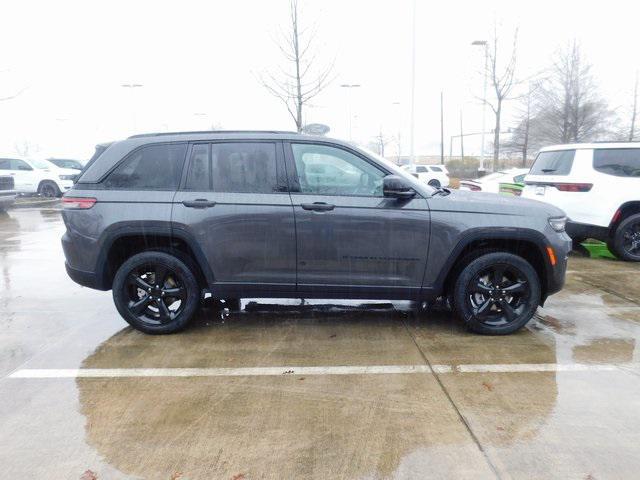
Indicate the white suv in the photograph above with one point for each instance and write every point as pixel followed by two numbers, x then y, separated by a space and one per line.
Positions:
pixel 434 175
pixel 37 176
pixel 598 186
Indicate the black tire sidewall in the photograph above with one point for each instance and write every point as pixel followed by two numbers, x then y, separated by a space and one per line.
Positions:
pixel 462 308
pixel 617 242
pixel 153 257
pixel 54 187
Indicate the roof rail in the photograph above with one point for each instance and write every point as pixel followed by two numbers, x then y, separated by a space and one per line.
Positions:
pixel 158 134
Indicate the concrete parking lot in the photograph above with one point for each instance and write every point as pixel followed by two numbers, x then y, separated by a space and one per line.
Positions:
pixel 321 390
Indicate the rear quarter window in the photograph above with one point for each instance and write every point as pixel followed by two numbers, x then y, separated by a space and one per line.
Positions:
pixel 152 167
pixel 557 162
pixel 619 162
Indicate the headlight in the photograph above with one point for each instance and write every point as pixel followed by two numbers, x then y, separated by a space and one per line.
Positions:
pixel 558 223
pixel 66 177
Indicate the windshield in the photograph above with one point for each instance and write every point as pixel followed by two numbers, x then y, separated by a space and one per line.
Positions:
pixel 41 164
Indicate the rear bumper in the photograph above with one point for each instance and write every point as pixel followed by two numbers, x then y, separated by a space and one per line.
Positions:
pixel 86 279
pixel 584 230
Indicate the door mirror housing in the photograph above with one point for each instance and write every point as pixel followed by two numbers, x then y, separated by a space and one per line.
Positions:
pixel 394 186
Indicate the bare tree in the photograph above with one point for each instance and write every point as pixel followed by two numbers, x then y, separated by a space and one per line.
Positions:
pixel 571 108
pixel 521 142
pixel 632 128
pixel 379 143
pixel 301 80
pixel 501 75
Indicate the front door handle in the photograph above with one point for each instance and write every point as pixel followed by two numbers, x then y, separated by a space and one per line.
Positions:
pixel 199 203
pixel 318 206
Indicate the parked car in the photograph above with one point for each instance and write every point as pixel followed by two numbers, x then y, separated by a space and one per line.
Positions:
pixel 164 219
pixel 7 192
pixel 37 176
pixel 598 186
pixel 492 181
pixel 434 175
pixel 66 163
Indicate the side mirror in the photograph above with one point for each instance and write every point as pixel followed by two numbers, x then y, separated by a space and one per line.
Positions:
pixel 394 186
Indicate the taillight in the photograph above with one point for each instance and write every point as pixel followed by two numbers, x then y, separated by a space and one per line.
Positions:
pixel 78 203
pixel 573 187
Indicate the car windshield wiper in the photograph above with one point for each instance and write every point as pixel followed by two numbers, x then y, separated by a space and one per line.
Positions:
pixel 548 170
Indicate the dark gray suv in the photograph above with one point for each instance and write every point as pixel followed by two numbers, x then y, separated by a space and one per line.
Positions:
pixel 164 219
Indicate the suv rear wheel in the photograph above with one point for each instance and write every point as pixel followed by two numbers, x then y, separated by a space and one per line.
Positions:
pixel 625 243
pixel 497 293
pixel 49 189
pixel 156 292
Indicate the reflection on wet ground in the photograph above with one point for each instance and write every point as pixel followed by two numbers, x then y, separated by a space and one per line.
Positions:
pixel 511 418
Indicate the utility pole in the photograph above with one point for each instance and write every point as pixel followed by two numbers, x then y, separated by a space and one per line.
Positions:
pixel 485 44
pixel 461 138
pixel 441 127
pixel 349 86
pixel 635 110
pixel 413 83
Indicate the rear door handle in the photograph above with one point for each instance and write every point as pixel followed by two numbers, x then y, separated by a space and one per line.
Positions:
pixel 199 203
pixel 318 206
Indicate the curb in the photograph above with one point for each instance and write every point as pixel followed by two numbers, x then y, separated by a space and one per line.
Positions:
pixel 38 202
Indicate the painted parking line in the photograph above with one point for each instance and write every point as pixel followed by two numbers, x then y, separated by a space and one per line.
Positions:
pixel 326 370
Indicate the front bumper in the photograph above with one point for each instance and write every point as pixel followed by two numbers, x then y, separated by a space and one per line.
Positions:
pixel 581 231
pixel 562 245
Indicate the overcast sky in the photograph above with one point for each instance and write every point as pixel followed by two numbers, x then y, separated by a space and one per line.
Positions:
pixel 198 63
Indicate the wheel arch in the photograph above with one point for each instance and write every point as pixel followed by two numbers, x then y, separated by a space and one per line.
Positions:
pixel 528 244
pixel 122 244
pixel 624 211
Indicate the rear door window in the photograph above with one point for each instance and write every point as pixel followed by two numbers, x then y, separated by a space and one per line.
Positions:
pixel 249 167
pixel 422 169
pixel 553 163
pixel 153 167
pixel 620 162
pixel 436 169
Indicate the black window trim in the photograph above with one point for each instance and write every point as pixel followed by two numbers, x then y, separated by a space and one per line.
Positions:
pixel 281 175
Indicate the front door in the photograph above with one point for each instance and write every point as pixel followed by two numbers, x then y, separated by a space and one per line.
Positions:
pixel 234 203
pixel 351 239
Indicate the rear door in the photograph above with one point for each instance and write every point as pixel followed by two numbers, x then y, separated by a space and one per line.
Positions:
pixel 234 203
pixel 351 240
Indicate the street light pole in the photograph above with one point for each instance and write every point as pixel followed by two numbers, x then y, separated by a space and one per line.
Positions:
pixel 413 84
pixel 485 44
pixel 350 86
pixel 133 108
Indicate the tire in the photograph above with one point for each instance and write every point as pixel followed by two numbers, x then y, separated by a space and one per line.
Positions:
pixel 49 189
pixel 477 289
pixel 434 183
pixel 140 301
pixel 625 243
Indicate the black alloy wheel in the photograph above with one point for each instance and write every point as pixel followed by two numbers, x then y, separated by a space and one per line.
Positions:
pixel 625 243
pixel 49 190
pixel 156 292
pixel 497 293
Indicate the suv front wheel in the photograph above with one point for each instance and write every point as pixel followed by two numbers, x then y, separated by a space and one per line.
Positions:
pixel 497 293
pixel 156 292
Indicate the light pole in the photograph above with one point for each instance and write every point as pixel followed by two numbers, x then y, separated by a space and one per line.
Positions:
pixel 350 86
pixel 132 86
pixel 484 44
pixel 413 82
pixel 398 104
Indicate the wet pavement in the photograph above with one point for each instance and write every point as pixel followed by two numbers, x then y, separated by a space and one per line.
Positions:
pixel 320 390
